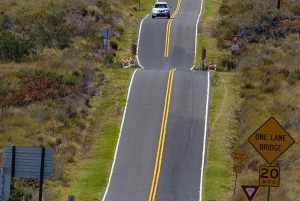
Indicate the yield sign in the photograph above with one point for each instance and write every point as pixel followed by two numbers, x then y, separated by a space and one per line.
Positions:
pixel 235 38
pixel 107 33
pixel 250 191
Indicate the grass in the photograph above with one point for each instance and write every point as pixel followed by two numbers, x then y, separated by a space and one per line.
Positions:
pixel 219 177
pixel 241 102
pixel 258 106
pixel 207 34
pixel 93 168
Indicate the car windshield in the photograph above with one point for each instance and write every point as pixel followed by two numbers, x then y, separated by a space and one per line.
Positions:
pixel 160 6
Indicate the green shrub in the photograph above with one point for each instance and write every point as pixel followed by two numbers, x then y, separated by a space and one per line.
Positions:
pixel 121 30
pixel 109 58
pixel 114 44
pixel 295 9
pixel 14 48
pixel 224 9
pixel 18 193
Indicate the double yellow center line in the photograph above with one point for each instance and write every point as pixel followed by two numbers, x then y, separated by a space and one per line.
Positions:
pixel 162 137
pixel 168 30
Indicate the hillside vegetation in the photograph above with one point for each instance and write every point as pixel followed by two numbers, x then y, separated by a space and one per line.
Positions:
pixel 59 88
pixel 266 85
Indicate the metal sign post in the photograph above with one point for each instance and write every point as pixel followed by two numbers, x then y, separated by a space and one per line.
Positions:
pixel 234 48
pixel 239 156
pixel 71 198
pixel 42 174
pixel 106 33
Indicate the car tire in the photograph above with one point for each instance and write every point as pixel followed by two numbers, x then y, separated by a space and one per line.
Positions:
pixel 169 16
pixel 153 16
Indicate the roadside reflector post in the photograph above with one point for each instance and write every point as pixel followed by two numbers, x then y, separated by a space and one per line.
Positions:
pixel 203 59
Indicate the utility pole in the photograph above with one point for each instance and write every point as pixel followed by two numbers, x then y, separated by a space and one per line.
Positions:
pixel 278 4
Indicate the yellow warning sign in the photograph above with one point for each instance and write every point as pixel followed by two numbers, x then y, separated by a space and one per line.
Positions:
pixel 271 140
pixel 239 155
pixel 237 168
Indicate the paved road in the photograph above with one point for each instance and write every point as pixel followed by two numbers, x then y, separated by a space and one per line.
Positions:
pixel 160 154
pixel 180 174
pixel 182 38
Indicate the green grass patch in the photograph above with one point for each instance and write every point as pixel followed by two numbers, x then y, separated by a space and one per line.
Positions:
pixel 207 36
pixel 92 172
pixel 95 170
pixel 219 177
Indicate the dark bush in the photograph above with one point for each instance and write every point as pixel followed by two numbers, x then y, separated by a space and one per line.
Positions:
pixel 114 44
pixel 14 48
pixel 109 58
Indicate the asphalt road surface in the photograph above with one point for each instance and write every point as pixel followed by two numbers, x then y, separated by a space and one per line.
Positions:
pixel 160 155
pixel 182 37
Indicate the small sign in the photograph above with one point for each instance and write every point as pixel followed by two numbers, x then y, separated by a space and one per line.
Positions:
pixel 106 42
pixel 234 38
pixel 237 168
pixel 107 33
pixel 269 176
pixel 271 140
pixel 235 47
pixel 239 155
pixel 250 191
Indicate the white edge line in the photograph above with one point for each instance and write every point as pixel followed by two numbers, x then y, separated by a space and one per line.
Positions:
pixel 120 133
pixel 205 134
pixel 137 51
pixel 196 34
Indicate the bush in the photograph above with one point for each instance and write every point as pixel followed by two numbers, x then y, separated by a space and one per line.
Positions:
pixel 295 9
pixel 121 30
pixel 109 58
pixel 224 9
pixel 14 48
pixel 18 192
pixel 114 44
pixel 53 33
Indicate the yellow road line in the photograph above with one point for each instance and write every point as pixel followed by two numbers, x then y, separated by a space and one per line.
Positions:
pixel 161 141
pixel 168 29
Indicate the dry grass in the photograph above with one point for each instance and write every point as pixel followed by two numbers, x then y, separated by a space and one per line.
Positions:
pixel 223 125
pixel 268 77
pixel 67 122
pixel 272 93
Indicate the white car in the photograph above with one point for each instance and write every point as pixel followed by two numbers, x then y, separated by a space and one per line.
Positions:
pixel 161 9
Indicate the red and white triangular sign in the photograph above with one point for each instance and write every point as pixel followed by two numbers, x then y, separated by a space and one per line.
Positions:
pixel 250 191
pixel 235 38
